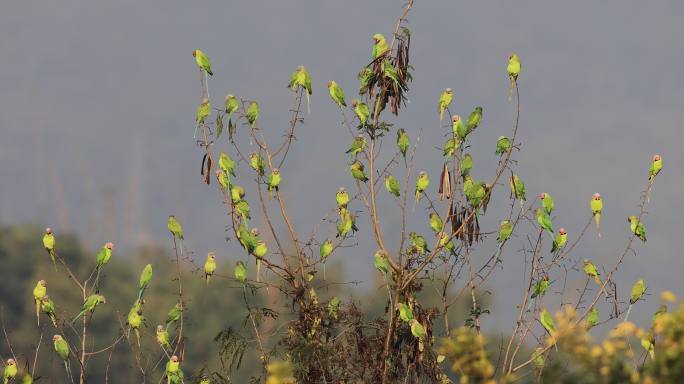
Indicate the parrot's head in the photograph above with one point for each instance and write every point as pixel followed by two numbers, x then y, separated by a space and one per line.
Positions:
pixel 254 231
pixel 512 56
pixel 109 245
pixel 48 230
pixel 562 231
pixel 229 96
pixel 586 261
pixel 355 102
pixel 631 218
pixel 211 256
pixel 45 298
pixel 194 53
pixel 160 328
pixel 380 253
pixel 596 196
pixel 545 277
pixel 218 173
pixel 542 195
pixel 501 137
pixel 504 223
pixel 378 38
pixel 42 283
pixel 172 217
pixel 331 83
pixel 448 91
pixel 341 190
pixel 103 300
pixel 300 68
pixel 205 100
pixel 174 358
pixel 276 171
pixel 11 361
pixel 455 118
pixel 656 157
pixel 422 174
pixel 478 110
pixel 56 337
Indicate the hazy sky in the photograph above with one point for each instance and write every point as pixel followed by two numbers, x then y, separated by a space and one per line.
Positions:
pixel 97 104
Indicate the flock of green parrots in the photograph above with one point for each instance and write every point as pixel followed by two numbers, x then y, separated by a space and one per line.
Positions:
pixel 474 191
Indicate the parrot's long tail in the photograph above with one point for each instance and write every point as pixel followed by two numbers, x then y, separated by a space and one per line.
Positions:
pixel 597 219
pixel 137 336
pixel 54 319
pixel 324 271
pixel 52 257
pixel 140 293
pixel 531 304
pixel 194 135
pixel 498 252
pixel 416 201
pixel 650 188
pixel 77 316
pixel 38 312
pixel 258 266
pixel 629 309
pixel 206 83
pixel 308 103
pixel 68 370
pixel 510 89
pixel 97 281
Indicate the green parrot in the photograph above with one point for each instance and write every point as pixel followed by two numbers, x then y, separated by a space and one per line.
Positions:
pixel 226 164
pixel 546 320
pixel 39 291
pixel 381 263
pixel 559 241
pixel 518 189
pixel 637 227
pixel 364 77
pixel 231 105
pixel 223 180
pixel 637 292
pixel 261 249
pixel 357 145
pixel 273 181
pixel 503 145
pixel 403 142
pixel 236 193
pixel 662 309
pixel 62 349
pixel 380 47
pixel 392 185
pixel 547 202
pixel 47 306
pixel 474 191
pixel 174 314
pixel 444 102
pixel 163 338
pixel 648 343
pixel 446 243
pixel 103 257
pixel 257 163
pixel 466 164
pixel 175 227
pixel 474 119
pixel 135 319
pixel 418 243
pixel 342 198
pixel 541 287
pixel 242 207
pixel 145 277
pixel 49 244
pixel 417 330
pixel 209 266
pixel 596 206
pixel 89 305
pixel 357 171
pixel 505 232
pixel 336 93
pixel 544 221
pixel 361 110
pixel 590 269
pixel 202 61
pixel 422 183
pixel 593 317
pixel 10 370
pixel 655 168
pixel 458 128
pixel 173 372
pixel 203 111
pixel 333 307
pixel 436 223
pixel 252 113
pixel 247 240
pixel 27 379
pixel 347 223
pixel 301 78
pixel 449 147
pixel 513 69
pixel 240 272
pixel 405 312
pixel 326 249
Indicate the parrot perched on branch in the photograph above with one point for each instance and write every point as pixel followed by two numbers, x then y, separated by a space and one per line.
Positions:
pixel 637 292
pixel 596 206
pixel 637 227
pixel 10 370
pixel 403 142
pixel 173 372
pixel 47 306
pixel 559 241
pixel 518 189
pixel 89 305
pixel 357 171
pixel 380 47
pixel 39 292
pixel 444 102
pixel 505 232
pixel 135 319
pixel 62 349
pixel 547 202
pixel 49 244
pixel 357 146
pixel 503 145
pixel 513 69
pixel 653 171
pixel 591 271
pixel 252 113
pixel 361 110
pixel 301 78
pixel 209 266
pixel 103 257
pixel 392 185
pixel 273 181
pixel 337 94
pixel 202 61
pixel 162 336
pixel 422 183
pixel 544 221
pixel 145 277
